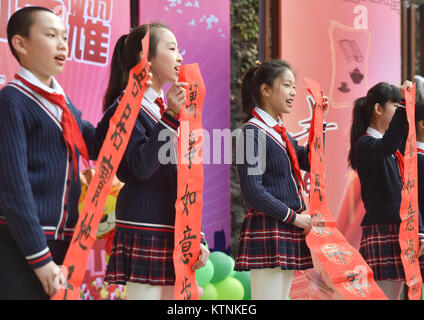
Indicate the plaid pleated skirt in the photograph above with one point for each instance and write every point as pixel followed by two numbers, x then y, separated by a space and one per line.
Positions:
pixel 138 258
pixel 265 242
pixel 381 250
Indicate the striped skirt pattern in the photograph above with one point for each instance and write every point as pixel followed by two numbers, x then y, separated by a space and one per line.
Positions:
pixel 265 242
pixel 138 258
pixel 381 250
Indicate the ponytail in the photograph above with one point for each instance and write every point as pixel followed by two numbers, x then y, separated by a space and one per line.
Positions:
pixel 419 111
pixel 363 112
pixel 126 55
pixel 116 78
pixel 247 101
pixel 361 116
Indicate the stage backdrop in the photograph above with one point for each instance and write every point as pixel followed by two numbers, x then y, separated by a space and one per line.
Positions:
pixel 202 29
pixel 347 46
pixel 93 28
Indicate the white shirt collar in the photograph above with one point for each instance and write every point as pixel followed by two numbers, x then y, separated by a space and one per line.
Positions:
pixel 374 133
pixel 267 118
pixel 148 102
pixel 420 145
pixel 31 78
pixel 150 95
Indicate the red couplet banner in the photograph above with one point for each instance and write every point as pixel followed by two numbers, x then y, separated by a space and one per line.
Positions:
pixel 408 233
pixel 111 153
pixel 340 265
pixel 188 216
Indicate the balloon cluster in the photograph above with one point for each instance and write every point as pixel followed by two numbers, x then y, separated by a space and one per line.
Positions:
pixel 219 281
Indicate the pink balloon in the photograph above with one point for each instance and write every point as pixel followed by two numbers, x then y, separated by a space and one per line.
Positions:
pixel 200 290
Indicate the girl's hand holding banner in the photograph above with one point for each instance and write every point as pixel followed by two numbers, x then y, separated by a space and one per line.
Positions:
pixel 111 153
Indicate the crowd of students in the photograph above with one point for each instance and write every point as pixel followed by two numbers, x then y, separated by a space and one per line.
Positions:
pixel 42 136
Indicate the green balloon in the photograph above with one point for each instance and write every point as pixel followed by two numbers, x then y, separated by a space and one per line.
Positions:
pixel 209 292
pixel 222 265
pixel 229 289
pixel 205 274
pixel 244 278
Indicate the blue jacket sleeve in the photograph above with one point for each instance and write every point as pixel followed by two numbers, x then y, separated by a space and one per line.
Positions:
pixel 17 204
pixel 252 144
pixel 372 150
pixel 142 152
pixel 89 134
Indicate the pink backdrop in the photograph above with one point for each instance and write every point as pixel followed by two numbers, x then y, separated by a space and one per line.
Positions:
pixel 347 46
pixel 202 29
pixel 93 28
pixel 321 42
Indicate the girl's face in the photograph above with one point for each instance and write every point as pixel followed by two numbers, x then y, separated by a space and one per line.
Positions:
pixel 166 63
pixel 386 114
pixel 283 93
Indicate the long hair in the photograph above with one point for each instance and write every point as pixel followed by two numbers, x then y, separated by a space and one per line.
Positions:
pixel 126 55
pixel 254 77
pixel 363 111
pixel 419 111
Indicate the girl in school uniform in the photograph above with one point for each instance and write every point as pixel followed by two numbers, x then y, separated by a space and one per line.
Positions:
pixel 272 238
pixel 378 131
pixel 142 251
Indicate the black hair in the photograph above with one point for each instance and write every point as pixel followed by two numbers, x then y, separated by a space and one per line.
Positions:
pixel 126 55
pixel 419 111
pixel 20 23
pixel 253 78
pixel 363 111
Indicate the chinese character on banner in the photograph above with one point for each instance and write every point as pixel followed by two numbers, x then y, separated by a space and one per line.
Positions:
pixel 337 254
pixel 185 244
pixel 188 197
pixel 357 283
pixel 84 231
pixel 319 225
pixel 188 207
pixel 185 289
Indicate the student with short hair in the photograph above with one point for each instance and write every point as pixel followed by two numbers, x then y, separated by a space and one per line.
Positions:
pixel 41 137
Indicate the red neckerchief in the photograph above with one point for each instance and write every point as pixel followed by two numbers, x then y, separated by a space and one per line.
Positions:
pixel 70 129
pixel 291 152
